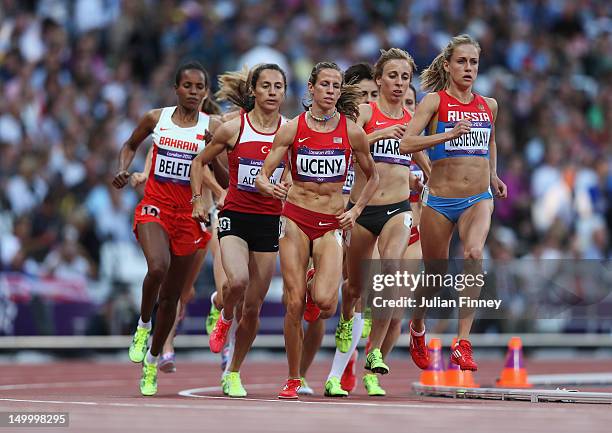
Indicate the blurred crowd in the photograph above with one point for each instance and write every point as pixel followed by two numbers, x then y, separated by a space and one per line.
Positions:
pixel 76 75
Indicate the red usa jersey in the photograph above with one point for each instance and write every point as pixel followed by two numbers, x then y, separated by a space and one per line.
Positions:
pixel 320 156
pixel 174 148
pixel 386 149
pixel 245 161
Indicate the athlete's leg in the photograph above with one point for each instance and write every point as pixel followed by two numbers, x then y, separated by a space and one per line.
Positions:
pixel 473 226
pixel 261 270
pixel 294 254
pixel 235 256
pixel 327 260
pixel 359 248
pixel 392 244
pixel 168 298
pixel 436 232
pixel 156 248
pixel 313 336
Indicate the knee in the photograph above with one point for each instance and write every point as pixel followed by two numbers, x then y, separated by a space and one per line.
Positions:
pixel 157 269
pixel 352 290
pixel 327 304
pixel 294 306
pixel 238 285
pixel 472 253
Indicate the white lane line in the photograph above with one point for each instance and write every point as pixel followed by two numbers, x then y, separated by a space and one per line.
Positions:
pixel 92 383
pixel 326 404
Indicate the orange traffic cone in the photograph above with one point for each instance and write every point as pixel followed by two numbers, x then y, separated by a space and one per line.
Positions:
pixel 454 376
pixel 434 374
pixel 514 374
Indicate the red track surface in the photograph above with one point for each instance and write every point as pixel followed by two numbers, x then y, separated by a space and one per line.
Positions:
pixel 105 397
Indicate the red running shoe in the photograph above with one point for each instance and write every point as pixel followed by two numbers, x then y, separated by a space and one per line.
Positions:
pixel 461 354
pixel 219 335
pixel 348 379
pixel 289 391
pixel 312 312
pixel 418 349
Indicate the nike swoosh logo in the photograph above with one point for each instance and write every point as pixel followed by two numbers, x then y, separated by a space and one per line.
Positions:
pixel 453 105
pixel 390 212
pixel 324 224
pixel 198 240
pixel 163 129
pixel 472 200
pixel 300 140
pixel 380 123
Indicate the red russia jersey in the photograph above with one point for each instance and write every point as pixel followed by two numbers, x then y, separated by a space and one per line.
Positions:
pixel 450 111
pixel 245 161
pixel 320 156
pixel 174 148
pixel 386 149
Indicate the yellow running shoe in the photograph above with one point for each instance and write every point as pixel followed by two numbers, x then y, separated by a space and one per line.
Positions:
pixel 211 320
pixel 138 347
pixel 375 363
pixel 344 334
pixel 370 381
pixel 233 385
pixel 148 382
pixel 334 389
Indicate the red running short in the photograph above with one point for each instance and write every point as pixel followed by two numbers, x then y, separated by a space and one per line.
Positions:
pixel 186 235
pixel 313 224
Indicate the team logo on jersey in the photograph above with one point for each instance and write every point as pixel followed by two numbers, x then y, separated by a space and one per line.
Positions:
pixel 337 140
pixel 200 137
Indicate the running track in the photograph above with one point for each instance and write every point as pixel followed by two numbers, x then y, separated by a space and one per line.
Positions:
pixel 105 397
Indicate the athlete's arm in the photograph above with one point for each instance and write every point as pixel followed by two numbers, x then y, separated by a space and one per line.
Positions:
pixel 361 151
pixel 413 141
pixel 139 177
pixel 219 164
pixel 423 161
pixel 282 141
pixel 145 126
pixel 499 188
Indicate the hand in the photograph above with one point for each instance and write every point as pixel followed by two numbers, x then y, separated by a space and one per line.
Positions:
pixel 347 219
pixel 281 190
pixel 137 179
pixel 221 200
pixel 121 179
pixel 415 183
pixel 461 127
pixel 395 131
pixel 500 190
pixel 198 212
pixel 207 136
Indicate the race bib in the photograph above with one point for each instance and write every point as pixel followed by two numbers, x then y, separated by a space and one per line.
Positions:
pixel 475 142
pixel 387 150
pixel 248 169
pixel 350 180
pixel 173 166
pixel 320 165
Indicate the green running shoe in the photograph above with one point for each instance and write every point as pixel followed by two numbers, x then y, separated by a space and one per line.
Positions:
pixel 370 381
pixel 375 363
pixel 211 320
pixel 367 323
pixel 233 385
pixel 148 382
pixel 334 389
pixel 344 334
pixel 223 384
pixel 138 347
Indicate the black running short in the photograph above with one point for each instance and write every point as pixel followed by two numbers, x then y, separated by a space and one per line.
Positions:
pixel 260 232
pixel 374 218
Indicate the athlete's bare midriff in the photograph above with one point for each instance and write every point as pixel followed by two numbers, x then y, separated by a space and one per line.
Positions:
pixel 459 177
pixel 393 187
pixel 318 197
